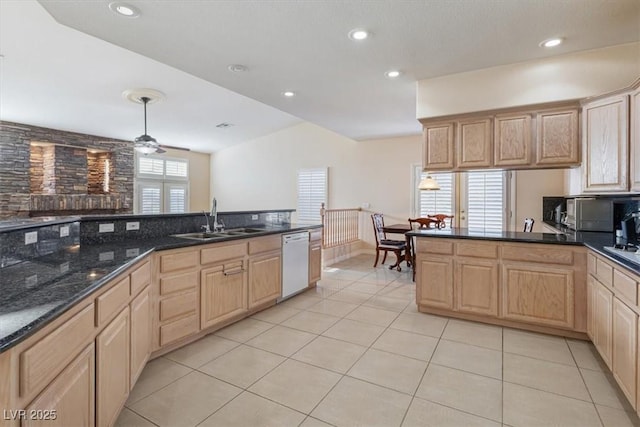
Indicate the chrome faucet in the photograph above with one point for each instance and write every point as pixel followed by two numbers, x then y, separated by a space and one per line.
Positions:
pixel 217 226
pixel 206 228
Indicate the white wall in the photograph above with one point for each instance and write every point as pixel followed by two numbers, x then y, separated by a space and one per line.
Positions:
pixel 199 180
pixel 563 77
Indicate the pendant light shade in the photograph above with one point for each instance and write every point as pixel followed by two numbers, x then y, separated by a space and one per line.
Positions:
pixel 145 143
pixel 428 183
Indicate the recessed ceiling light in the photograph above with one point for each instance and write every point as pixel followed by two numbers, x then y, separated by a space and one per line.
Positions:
pixel 237 68
pixel 124 9
pixel 392 74
pixel 358 34
pixel 288 94
pixel 551 42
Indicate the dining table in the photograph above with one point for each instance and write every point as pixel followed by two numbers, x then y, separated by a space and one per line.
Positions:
pixel 401 229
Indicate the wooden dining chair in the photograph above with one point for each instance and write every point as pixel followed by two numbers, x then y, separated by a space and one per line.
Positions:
pixel 528 225
pixel 442 218
pixel 422 223
pixel 386 245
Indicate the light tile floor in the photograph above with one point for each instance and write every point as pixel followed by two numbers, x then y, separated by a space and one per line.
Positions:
pixel 355 352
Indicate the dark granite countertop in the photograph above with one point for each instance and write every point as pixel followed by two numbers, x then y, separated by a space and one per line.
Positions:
pixel 591 239
pixel 37 291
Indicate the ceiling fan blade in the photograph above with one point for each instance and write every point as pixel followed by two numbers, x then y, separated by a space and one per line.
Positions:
pixel 173 147
pixel 160 151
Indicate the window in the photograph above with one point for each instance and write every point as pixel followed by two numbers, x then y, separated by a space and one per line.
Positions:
pixel 162 185
pixel 478 200
pixel 312 192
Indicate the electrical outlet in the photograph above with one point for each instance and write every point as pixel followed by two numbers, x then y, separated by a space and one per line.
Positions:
pixel 254 217
pixel 31 281
pixel 132 252
pixel 64 267
pixel 133 226
pixel 105 228
pixel 64 231
pixel 106 256
pixel 30 237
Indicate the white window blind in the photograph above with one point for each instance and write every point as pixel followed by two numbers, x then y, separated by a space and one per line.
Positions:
pixel 312 192
pixel 162 185
pixel 485 200
pixel 435 202
pixel 150 166
pixel 176 198
pixel 150 198
pixel 176 169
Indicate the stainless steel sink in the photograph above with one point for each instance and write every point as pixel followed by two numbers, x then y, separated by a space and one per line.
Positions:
pixel 219 234
pixel 633 257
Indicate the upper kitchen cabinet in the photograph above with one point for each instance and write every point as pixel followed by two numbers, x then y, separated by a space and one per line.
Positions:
pixel 606 144
pixel 557 137
pixel 437 147
pixel 533 137
pixel 474 145
pixel 635 139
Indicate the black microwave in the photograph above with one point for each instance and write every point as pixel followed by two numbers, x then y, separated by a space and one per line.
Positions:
pixel 589 214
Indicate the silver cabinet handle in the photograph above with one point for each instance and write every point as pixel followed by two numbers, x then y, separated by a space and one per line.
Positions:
pixel 231 273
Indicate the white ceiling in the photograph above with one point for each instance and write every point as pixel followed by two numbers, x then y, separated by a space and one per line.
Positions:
pixel 66 79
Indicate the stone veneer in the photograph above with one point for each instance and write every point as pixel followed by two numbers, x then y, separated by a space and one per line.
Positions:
pixel 66 192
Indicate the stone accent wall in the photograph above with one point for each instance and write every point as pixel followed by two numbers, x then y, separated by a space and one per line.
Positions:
pixel 36 169
pixel 96 163
pixel 15 171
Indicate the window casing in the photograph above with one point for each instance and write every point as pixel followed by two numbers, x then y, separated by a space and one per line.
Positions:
pixel 162 185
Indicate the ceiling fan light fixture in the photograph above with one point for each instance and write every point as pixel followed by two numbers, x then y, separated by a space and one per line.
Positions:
pixel 428 184
pixel 124 9
pixel 145 143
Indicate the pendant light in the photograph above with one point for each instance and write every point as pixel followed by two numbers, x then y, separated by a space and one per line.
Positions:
pixel 428 184
pixel 146 144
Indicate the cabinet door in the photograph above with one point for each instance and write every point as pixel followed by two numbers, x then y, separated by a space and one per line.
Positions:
pixel 557 140
pixel 437 146
pixel 591 310
pixel 434 281
pixel 265 281
pixel 474 145
pixel 223 293
pixel 625 323
pixel 140 333
pixel 539 294
pixel 70 395
pixel 512 140
pixel 605 145
pixel 112 372
pixel 476 286
pixel 315 262
pixel 603 322
pixel 635 140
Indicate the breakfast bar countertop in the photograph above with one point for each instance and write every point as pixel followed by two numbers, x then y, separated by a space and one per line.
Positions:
pixel 596 241
pixel 37 291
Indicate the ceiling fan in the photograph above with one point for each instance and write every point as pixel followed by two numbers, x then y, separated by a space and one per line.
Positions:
pixel 145 143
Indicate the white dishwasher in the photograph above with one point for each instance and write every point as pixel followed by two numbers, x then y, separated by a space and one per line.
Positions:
pixel 295 263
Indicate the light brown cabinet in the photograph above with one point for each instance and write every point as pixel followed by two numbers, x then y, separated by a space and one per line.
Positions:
pixel 265 281
pixel 141 316
pixel 315 262
pixel 69 399
pixel 223 293
pixel 625 348
pixel 635 140
pixel 606 144
pixel 602 319
pixel 476 286
pixel 434 281
pixel 512 140
pixel 112 369
pixel 437 147
pixel 556 136
pixel 474 146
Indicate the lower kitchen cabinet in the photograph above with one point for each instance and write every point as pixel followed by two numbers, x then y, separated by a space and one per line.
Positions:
pixel 602 320
pixel 538 294
pixel 112 371
pixel 625 348
pixel 69 399
pixel 476 286
pixel 141 316
pixel 265 280
pixel 223 293
pixel 315 261
pixel 434 281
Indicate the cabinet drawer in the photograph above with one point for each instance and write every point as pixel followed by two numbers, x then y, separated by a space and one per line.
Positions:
pixel 604 272
pixel 265 244
pixel 178 261
pixel 625 286
pixel 547 254
pixel 110 303
pixel 433 246
pixel 181 282
pixel 180 328
pixel 176 306
pixel 477 249
pixel 44 360
pixel 223 252
pixel 315 235
pixel 140 278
